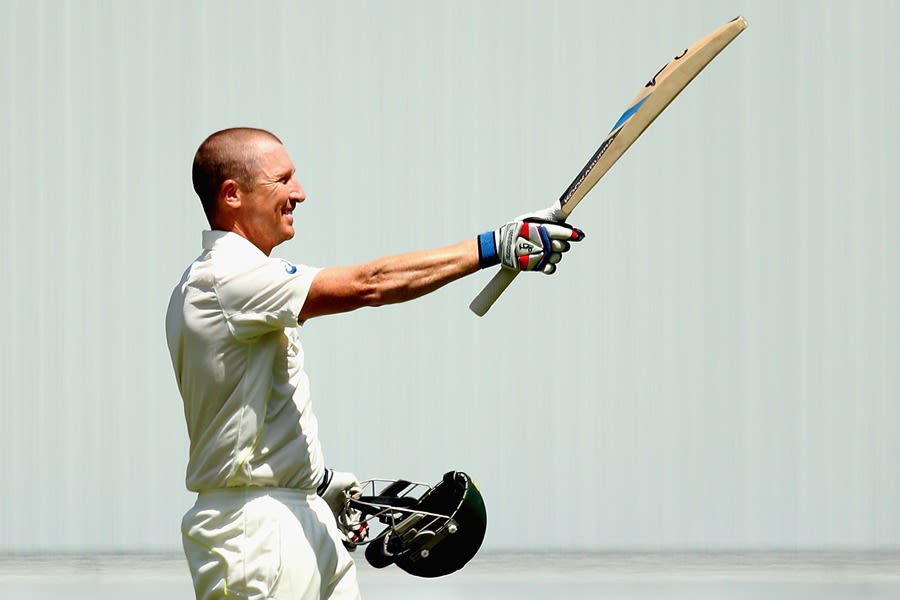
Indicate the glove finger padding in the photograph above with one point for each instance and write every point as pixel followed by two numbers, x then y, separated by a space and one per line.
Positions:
pixel 354 531
pixel 559 246
pixel 535 244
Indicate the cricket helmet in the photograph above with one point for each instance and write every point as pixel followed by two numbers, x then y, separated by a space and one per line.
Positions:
pixel 428 531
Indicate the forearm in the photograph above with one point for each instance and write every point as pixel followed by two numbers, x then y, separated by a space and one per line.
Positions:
pixel 414 274
pixel 389 280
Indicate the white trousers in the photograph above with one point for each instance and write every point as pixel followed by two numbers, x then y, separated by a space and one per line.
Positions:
pixel 266 543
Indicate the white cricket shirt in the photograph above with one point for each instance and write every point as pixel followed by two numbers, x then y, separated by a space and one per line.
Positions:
pixel 232 332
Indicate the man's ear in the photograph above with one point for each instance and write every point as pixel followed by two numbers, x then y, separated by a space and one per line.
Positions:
pixel 229 193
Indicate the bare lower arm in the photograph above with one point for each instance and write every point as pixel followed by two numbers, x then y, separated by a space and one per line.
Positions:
pixel 389 280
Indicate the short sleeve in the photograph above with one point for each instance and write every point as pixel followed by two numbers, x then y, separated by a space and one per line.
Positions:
pixel 264 297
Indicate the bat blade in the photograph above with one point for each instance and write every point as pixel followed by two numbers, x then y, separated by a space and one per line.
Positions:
pixel 650 101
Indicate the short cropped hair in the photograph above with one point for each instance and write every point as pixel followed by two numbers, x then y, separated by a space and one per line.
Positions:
pixel 226 154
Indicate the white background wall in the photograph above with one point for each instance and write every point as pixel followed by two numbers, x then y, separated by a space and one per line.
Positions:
pixel 714 368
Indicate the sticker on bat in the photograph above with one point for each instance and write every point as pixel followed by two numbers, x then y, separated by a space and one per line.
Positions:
pixel 570 191
pixel 652 82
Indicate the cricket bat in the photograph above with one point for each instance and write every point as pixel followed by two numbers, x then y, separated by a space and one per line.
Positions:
pixel 650 101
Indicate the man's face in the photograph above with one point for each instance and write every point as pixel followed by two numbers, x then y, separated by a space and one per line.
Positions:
pixel 266 210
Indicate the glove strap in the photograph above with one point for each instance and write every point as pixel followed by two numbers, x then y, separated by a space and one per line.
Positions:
pixel 326 479
pixel 487 250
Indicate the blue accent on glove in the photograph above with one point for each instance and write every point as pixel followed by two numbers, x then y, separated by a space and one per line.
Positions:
pixel 548 250
pixel 487 250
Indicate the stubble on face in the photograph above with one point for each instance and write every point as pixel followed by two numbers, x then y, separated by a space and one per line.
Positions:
pixel 266 215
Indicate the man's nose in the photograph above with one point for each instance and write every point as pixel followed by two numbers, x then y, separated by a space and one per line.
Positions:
pixel 297 194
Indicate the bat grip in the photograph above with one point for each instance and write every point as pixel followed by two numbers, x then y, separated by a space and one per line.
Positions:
pixel 486 298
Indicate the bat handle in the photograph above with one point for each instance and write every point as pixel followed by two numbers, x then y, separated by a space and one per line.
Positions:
pixel 486 298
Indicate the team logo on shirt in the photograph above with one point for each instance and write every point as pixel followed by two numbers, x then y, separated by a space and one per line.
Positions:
pixel 288 267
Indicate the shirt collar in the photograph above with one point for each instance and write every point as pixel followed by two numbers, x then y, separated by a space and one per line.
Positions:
pixel 228 239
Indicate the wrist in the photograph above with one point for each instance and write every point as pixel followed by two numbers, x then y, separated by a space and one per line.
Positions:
pixel 487 250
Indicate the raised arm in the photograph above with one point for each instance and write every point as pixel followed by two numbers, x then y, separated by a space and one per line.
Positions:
pixel 388 280
pixel 523 244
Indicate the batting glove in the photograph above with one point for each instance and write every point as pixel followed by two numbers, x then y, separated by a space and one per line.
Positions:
pixel 354 531
pixel 336 489
pixel 528 243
